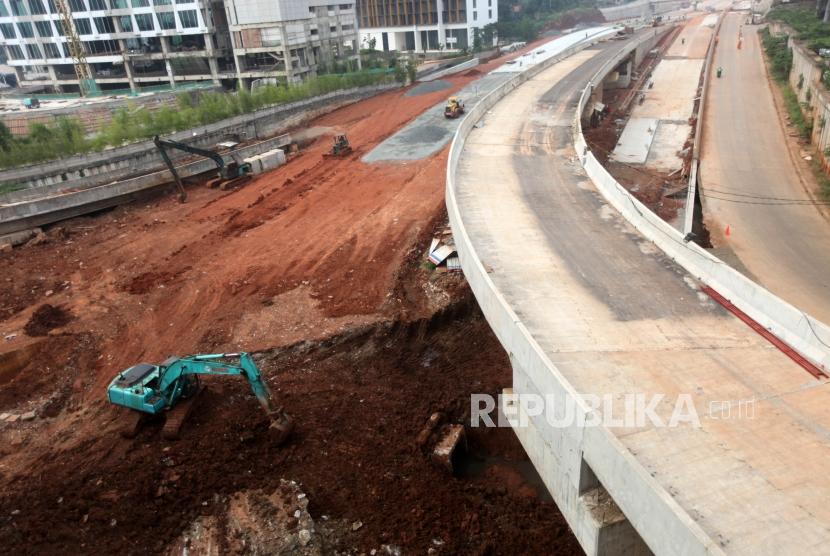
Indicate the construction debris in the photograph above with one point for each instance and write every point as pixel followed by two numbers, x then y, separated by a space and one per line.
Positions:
pixel 452 438
pixel 426 432
pixel 442 252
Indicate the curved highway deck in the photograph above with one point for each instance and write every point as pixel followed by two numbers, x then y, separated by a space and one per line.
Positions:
pixel 615 317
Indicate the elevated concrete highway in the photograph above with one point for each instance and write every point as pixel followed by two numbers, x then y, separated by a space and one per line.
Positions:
pixel 585 305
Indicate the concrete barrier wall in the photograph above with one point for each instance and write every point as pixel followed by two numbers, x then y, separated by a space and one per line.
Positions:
pixel 561 454
pixel 640 9
pixel 22 216
pixel 469 64
pixel 113 164
pixel 808 336
pixel 689 211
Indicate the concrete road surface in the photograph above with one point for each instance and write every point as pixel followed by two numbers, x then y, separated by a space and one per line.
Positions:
pixel 617 317
pixel 785 247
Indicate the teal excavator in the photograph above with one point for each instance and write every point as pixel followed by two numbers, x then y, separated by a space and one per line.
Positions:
pixel 171 388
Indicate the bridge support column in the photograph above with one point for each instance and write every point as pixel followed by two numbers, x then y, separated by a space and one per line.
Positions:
pixel 623 76
pixel 555 451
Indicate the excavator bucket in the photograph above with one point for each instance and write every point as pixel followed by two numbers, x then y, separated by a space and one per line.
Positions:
pixel 230 184
pixel 281 427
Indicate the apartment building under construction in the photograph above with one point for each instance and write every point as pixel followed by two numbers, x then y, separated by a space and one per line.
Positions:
pixel 140 43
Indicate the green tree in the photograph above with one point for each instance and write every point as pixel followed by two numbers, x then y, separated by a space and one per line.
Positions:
pixel 400 73
pixel 6 137
pixel 411 70
pixel 488 34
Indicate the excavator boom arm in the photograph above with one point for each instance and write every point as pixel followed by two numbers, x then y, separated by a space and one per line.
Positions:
pixel 214 364
pixel 163 144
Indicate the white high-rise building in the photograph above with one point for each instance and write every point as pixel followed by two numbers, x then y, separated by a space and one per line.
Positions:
pixel 423 25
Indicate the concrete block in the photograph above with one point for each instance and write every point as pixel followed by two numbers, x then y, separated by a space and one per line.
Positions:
pixel 256 164
pixel 19 238
pixel 12 418
pixel 272 159
pixel 266 161
pixel 28 416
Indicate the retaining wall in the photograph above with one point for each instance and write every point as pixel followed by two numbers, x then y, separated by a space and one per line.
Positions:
pixel 113 164
pixel 805 80
pixel 22 216
pixel 574 462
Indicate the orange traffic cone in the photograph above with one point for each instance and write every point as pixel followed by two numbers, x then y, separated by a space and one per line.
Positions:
pixel 727 231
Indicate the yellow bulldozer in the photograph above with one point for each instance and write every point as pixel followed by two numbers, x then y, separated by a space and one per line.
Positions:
pixel 454 108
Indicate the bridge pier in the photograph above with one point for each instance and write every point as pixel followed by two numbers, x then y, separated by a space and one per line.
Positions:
pixel 595 518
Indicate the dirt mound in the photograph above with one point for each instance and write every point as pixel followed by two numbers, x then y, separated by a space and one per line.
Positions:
pixel 260 523
pixel 148 281
pixel 46 373
pixel 45 318
pixel 574 17
pixel 318 248
pixel 360 401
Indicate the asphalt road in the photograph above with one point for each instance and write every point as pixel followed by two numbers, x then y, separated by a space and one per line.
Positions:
pixel 617 317
pixel 784 247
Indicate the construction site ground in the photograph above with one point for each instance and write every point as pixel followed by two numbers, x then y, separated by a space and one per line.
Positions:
pixel 318 268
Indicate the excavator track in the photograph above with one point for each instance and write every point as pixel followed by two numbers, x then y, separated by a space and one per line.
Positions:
pixel 132 422
pixel 235 182
pixel 175 417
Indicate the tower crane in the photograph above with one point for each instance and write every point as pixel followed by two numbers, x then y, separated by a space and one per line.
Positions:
pixel 86 81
